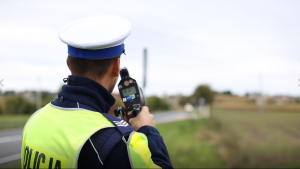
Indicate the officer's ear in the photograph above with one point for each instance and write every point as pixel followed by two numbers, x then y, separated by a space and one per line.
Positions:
pixel 68 64
pixel 116 67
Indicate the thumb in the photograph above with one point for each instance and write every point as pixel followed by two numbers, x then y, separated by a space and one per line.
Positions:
pixel 131 120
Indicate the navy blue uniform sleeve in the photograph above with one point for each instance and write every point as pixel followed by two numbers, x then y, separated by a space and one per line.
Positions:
pixel 157 147
pixel 118 157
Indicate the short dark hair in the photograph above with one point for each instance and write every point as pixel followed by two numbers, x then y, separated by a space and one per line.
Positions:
pixel 94 69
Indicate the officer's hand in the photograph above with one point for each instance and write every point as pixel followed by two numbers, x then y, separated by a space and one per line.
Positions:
pixel 144 118
pixel 128 116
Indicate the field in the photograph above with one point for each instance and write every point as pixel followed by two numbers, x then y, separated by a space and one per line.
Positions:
pixel 13 121
pixel 235 139
pixel 270 139
pixel 245 103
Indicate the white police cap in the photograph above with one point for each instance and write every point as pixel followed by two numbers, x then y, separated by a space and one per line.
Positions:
pixel 97 37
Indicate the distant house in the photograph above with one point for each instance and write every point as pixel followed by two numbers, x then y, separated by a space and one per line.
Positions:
pixel 282 100
pixel 173 101
pixel 29 96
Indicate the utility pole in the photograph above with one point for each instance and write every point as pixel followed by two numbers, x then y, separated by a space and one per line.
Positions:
pixel 145 70
pixel 38 94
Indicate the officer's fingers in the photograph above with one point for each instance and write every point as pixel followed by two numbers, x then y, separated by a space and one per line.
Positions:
pixel 150 116
pixel 145 109
pixel 131 121
pixel 127 117
pixel 130 115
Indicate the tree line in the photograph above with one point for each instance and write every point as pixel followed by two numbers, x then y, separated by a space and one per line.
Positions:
pixel 12 102
pixel 23 102
pixel 156 103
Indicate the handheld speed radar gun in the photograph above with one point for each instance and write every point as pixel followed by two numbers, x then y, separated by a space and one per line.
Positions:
pixel 131 95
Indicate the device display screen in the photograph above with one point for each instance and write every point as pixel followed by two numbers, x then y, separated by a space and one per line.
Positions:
pixel 128 91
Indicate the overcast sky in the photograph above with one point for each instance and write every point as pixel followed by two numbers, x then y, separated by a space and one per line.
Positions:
pixel 226 44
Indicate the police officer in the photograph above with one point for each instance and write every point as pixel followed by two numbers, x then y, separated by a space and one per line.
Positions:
pixel 75 130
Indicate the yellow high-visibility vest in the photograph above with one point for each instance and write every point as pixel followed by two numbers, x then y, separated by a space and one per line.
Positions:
pixel 53 138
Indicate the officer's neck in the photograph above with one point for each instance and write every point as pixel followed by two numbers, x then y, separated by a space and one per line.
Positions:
pixel 107 82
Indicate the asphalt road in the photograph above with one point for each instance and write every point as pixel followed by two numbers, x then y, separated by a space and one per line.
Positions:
pixel 11 140
pixel 10 145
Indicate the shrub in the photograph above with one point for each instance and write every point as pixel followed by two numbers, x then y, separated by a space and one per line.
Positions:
pixel 205 92
pixel 156 104
pixel 18 105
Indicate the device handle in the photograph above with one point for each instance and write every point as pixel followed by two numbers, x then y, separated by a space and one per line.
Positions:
pixel 136 109
pixel 136 112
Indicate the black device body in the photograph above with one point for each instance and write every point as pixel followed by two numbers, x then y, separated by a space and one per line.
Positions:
pixel 131 94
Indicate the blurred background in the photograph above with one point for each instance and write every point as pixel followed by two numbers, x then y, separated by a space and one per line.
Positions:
pixel 222 76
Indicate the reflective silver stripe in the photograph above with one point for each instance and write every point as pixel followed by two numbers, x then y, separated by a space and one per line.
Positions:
pixel 72 109
pixel 29 119
pixel 128 149
pixel 96 151
pixel 124 140
pixel 67 109
pixel 85 142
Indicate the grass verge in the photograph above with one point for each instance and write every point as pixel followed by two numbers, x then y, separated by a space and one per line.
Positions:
pixel 235 139
pixel 13 121
pixel 185 148
pixel 249 139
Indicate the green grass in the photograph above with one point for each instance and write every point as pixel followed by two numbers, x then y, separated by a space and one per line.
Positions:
pixel 235 139
pixel 270 139
pixel 13 121
pixel 185 149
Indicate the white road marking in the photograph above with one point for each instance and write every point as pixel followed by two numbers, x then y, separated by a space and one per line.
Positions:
pixel 10 138
pixel 10 158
